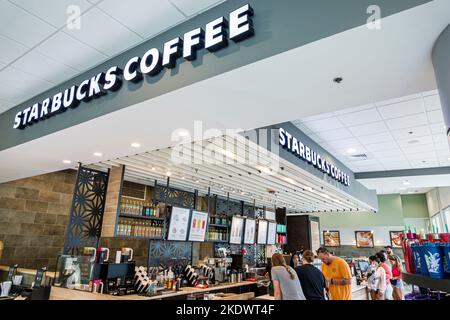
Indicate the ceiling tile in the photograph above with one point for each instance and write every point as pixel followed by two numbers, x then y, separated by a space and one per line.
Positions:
pixel 426 163
pixel 302 127
pixel 395 159
pixel 72 52
pixel 421 156
pixel 381 146
pixel 323 124
pixel 354 109
pixel 432 102
pixel 435 116
pixel 397 166
pixel 191 7
pixel 371 168
pixel 345 143
pixel 442 150
pixel 418 149
pixel 10 50
pixel 438 128
pixel 402 109
pixel 26 82
pixel 43 67
pixel 54 12
pixel 376 138
pixel 397 152
pixel 151 18
pixel 440 138
pixel 407 121
pixel 411 142
pixel 398 100
pixel 17 24
pixel 111 39
pixel 411 133
pixel 368 129
pixel 13 94
pixel 333 135
pixel 361 117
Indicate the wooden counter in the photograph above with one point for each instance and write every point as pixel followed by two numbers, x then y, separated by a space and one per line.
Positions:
pixel 58 293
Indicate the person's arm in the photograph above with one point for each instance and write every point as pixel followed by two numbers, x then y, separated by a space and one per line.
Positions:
pixel 346 276
pixel 382 283
pixel 276 289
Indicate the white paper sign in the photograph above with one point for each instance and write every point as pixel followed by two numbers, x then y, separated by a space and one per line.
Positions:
pixel 197 228
pixel 272 234
pixel 262 232
pixel 237 227
pixel 250 231
pixel 179 223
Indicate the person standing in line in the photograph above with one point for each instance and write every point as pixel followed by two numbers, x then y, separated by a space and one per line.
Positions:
pixel 294 263
pixel 376 279
pixel 382 256
pixel 311 279
pixel 396 280
pixel 285 281
pixel 337 274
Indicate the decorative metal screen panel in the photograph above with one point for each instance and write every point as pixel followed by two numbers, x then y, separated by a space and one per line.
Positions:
pixel 165 253
pixel 86 214
pixel 249 210
pixel 174 197
pixel 250 251
pixel 229 207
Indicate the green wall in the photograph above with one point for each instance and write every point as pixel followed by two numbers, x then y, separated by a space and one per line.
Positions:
pixel 393 208
pixel 415 206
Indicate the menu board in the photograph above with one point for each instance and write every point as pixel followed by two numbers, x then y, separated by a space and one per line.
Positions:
pixel 237 228
pixel 250 231
pixel 179 223
pixel 315 236
pixel 262 232
pixel 197 229
pixel 272 233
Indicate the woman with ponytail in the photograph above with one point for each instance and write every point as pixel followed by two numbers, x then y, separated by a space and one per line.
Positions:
pixel 285 281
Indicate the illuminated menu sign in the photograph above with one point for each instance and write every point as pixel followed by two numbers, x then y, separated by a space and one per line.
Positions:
pixel 197 230
pixel 237 227
pixel 179 223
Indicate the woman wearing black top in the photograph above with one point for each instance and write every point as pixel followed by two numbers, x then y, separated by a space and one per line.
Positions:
pixel 311 278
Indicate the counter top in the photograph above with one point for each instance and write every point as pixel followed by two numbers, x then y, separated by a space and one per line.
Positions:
pixel 28 271
pixel 58 293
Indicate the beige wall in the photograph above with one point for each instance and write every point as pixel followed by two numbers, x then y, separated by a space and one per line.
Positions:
pixel 438 199
pixel 34 213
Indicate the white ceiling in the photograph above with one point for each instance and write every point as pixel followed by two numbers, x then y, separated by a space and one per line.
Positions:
pixel 403 133
pixel 292 85
pixel 415 184
pixel 38 50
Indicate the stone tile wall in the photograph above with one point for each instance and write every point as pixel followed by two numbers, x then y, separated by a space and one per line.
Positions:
pixel 34 213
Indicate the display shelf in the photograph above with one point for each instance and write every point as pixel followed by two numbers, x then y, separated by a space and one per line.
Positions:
pixel 427 282
pixel 132 216
pixel 218 225
pixel 137 237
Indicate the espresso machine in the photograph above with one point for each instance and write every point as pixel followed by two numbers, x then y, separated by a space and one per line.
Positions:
pixel 221 266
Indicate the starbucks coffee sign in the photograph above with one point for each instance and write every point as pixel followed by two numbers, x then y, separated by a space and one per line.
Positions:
pixel 215 35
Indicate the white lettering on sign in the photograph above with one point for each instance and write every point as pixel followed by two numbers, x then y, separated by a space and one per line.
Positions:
pixel 213 37
pixel 302 151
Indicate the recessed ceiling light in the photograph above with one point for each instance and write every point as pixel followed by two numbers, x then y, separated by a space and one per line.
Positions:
pixel 153 168
pixel 136 145
pixel 183 133
pixel 168 173
pixel 197 181
pixel 67 161
pixel 98 154
pixel 351 150
pixel 406 183
pixel 183 178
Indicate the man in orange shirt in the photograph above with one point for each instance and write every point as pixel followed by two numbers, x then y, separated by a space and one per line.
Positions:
pixel 338 275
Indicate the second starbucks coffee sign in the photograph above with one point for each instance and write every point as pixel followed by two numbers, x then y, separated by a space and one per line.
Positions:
pixel 214 36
